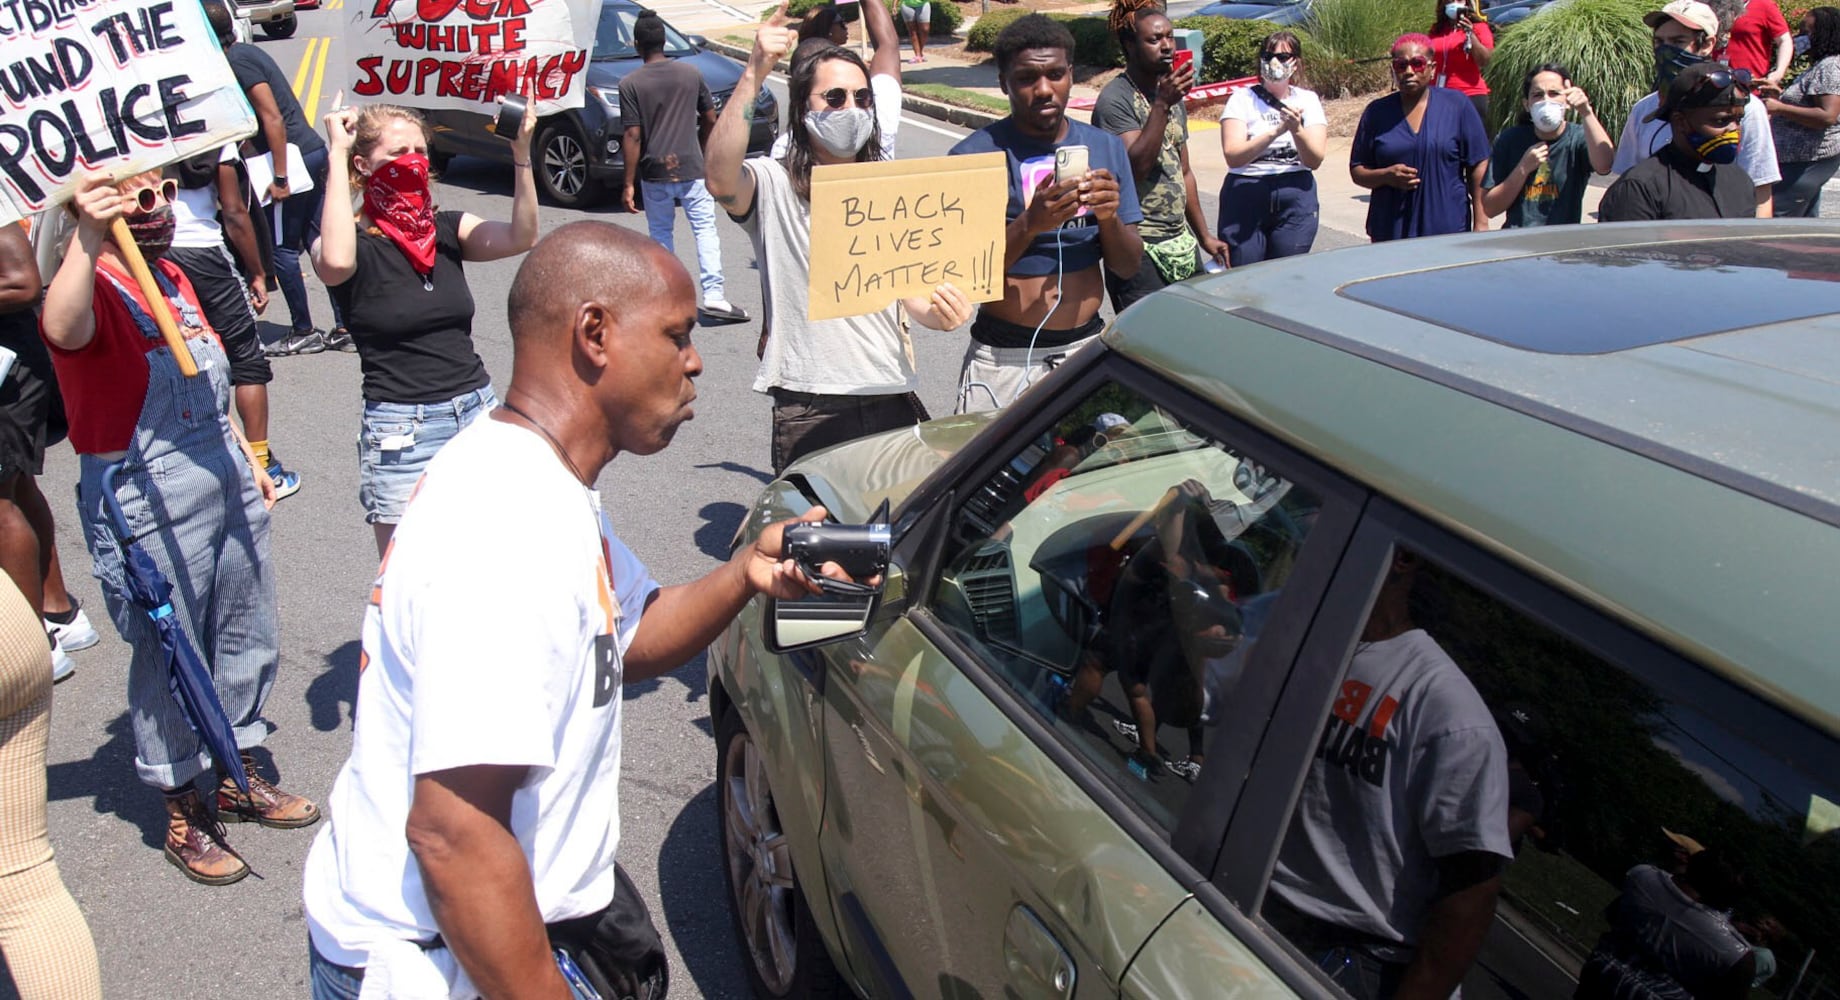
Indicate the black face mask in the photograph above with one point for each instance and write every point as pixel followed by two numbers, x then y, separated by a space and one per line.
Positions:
pixel 1669 61
pixel 153 231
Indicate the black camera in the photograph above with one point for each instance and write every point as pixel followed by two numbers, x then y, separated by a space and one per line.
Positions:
pixel 510 116
pixel 861 549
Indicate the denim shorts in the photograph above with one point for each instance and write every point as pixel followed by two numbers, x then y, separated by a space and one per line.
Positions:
pixel 397 440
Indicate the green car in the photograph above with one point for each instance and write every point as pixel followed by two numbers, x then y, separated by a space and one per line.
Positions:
pixel 1456 612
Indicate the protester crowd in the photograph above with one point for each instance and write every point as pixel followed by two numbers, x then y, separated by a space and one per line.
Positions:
pixel 511 835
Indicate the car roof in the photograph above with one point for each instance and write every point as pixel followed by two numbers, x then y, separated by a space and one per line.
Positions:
pixel 1586 401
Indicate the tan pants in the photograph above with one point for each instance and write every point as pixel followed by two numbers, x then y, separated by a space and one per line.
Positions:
pixel 46 941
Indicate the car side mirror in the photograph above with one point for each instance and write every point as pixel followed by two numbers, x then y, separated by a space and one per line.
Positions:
pixel 699 41
pixel 801 623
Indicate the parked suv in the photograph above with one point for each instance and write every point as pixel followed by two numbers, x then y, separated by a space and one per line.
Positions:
pixel 1459 610
pixel 578 151
pixel 275 17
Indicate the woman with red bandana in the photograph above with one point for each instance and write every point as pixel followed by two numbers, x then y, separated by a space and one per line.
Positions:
pixel 396 273
pixel 161 446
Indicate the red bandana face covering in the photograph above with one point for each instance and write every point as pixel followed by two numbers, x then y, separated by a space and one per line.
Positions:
pixel 396 199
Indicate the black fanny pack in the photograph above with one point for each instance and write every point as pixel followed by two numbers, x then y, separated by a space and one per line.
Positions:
pixel 618 949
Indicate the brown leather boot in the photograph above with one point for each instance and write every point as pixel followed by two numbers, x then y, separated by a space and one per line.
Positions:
pixel 265 804
pixel 195 842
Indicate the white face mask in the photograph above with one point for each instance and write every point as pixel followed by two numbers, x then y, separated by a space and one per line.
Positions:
pixel 1548 116
pixel 1277 70
pixel 843 132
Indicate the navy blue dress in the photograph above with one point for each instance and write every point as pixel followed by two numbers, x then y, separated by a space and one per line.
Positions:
pixel 1449 141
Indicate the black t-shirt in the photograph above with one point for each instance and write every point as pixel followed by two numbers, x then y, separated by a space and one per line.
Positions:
pixel 252 66
pixel 1671 185
pixel 666 100
pixel 415 344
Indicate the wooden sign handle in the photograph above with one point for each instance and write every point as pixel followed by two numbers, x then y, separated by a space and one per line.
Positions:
pixel 1140 520
pixel 156 300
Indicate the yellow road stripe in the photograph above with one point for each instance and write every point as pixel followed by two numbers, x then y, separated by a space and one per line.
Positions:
pixel 306 60
pixel 311 100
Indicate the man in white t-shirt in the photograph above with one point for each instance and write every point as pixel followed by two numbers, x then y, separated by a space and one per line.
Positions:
pixel 1390 871
pixel 495 646
pixel 1685 32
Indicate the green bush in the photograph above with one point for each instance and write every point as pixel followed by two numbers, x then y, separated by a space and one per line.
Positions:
pixel 1229 48
pixel 1346 42
pixel 1604 44
pixel 1093 42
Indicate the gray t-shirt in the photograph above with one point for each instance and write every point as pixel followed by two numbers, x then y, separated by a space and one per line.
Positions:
pixel 1410 769
pixel 666 100
pixel 1122 108
pixel 1690 941
pixel 1795 142
pixel 849 356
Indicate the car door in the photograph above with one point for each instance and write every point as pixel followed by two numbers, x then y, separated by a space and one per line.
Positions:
pixel 992 826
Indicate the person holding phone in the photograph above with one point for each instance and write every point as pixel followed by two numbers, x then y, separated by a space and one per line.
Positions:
pixel 1539 169
pixel 1065 232
pixel 1462 45
pixel 1143 107
pixel 1422 152
pixel 1274 135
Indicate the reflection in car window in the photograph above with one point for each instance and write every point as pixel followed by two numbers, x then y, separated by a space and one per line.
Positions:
pixel 1494 807
pixel 1115 573
pixel 613 39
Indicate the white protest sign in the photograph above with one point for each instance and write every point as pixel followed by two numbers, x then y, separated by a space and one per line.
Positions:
pixel 463 54
pixel 120 86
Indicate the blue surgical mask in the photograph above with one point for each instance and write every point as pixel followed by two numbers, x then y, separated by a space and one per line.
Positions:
pixel 1452 10
pixel 1801 45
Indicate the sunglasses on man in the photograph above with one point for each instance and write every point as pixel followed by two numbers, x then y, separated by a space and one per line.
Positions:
pixel 835 97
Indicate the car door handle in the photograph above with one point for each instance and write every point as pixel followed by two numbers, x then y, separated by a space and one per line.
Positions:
pixel 1038 965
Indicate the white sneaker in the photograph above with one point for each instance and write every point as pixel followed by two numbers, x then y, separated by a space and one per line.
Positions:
pixel 62 665
pixel 79 634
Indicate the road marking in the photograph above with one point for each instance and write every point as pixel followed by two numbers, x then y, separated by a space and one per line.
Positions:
pixel 311 100
pixel 306 60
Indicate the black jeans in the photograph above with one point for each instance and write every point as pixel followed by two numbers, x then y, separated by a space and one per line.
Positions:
pixel 804 422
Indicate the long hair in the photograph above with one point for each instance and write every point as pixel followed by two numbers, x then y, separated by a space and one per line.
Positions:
pixel 1824 40
pixel 799 159
pixel 1124 14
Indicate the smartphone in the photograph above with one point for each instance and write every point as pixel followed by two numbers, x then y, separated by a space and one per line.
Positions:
pixel 1070 163
pixel 1182 57
pixel 579 987
pixel 510 116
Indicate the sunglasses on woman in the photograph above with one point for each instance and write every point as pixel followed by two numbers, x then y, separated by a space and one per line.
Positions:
pixel 1416 64
pixel 1280 56
pixel 836 96
pixel 149 198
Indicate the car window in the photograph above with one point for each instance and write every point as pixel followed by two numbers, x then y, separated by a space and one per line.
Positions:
pixel 1115 573
pixel 613 39
pixel 1491 805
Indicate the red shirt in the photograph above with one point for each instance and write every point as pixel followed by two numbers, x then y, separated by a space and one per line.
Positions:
pixel 1455 68
pixel 1753 38
pixel 105 382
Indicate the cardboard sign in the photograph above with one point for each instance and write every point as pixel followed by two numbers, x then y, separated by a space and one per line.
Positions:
pixel 885 231
pixel 462 54
pixel 120 86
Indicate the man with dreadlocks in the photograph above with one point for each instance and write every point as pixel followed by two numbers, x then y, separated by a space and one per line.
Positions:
pixel 832 380
pixel 1061 233
pixel 1143 107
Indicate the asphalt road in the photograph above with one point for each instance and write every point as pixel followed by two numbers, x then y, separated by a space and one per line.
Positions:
pixel 161 936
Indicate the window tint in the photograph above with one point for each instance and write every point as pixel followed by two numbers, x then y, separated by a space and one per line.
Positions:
pixel 1493 806
pixel 1115 573
pixel 613 38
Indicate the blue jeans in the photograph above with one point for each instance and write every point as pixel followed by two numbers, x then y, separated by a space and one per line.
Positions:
pixel 1264 218
pixel 661 217
pixel 1798 194
pixel 396 442
pixel 327 981
pixel 296 214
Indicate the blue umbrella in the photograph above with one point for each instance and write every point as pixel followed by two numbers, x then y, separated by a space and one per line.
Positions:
pixel 186 675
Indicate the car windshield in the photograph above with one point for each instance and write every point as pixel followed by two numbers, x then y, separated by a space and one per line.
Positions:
pixel 613 39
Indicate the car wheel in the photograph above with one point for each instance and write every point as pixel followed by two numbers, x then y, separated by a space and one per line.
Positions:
pixel 785 957
pixel 562 166
pixel 281 28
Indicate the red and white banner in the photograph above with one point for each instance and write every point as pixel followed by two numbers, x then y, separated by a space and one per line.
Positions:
pixel 1207 93
pixel 464 54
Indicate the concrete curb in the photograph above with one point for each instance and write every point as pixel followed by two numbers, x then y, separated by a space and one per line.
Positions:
pixel 970 118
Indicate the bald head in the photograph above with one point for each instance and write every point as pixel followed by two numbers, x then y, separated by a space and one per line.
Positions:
pixel 587 262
